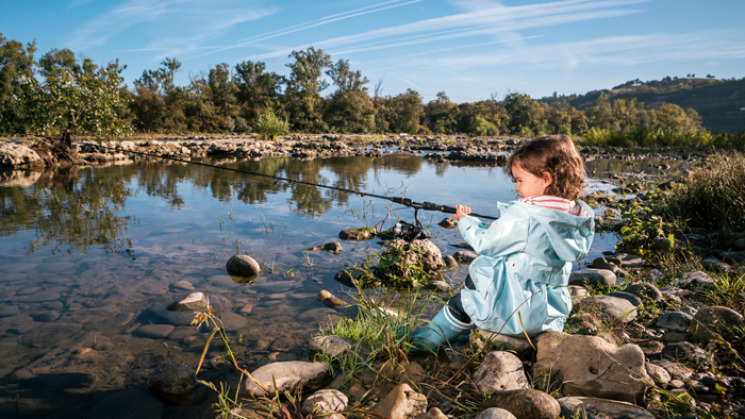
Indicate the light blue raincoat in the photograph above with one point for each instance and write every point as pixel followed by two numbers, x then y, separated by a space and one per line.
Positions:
pixel 525 258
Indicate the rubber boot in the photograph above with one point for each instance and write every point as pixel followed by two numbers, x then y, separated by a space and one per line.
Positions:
pixel 443 328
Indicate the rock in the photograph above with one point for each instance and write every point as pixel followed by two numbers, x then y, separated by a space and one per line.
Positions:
pixel 674 321
pixel 713 264
pixel 183 285
pixel 331 345
pixel 590 366
pixel 243 265
pixel 358 234
pixel 602 277
pixel 663 244
pixel 674 369
pixel 604 263
pixel 7 310
pixel 155 331
pixel 520 346
pixel 417 254
pixel 351 276
pixel 448 223
pixel 172 382
pixel 465 257
pixel 16 155
pixel 500 371
pixel 526 404
pixel 126 404
pixel 626 260
pixel 401 403
pixel 633 299
pixel 193 302
pixel 685 352
pixel 330 300
pixel 594 408
pixel 658 374
pixel 495 413
pixel 333 247
pixel 578 293
pixel 325 401
pixel 439 286
pixel 692 279
pixel 288 376
pixel 710 322
pixel 617 308
pixel 644 290
pixel 450 261
pixel 433 413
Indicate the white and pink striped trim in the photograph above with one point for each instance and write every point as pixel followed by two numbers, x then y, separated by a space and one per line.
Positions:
pixel 556 203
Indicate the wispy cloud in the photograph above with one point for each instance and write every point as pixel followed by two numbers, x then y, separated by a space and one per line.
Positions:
pixel 479 20
pixel 198 21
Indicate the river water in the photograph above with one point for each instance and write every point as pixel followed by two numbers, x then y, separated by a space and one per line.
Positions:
pixel 91 257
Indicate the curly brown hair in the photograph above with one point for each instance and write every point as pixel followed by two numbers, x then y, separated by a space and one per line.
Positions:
pixel 557 155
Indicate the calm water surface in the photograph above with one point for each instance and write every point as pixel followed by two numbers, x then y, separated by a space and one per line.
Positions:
pixel 90 258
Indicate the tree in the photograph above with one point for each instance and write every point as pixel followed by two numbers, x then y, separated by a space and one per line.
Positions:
pixel 601 114
pixel 153 103
pixel 302 95
pixel 349 109
pixel 409 112
pixel 441 115
pixel 257 90
pixel 80 97
pixel 671 118
pixel 223 93
pixel 17 85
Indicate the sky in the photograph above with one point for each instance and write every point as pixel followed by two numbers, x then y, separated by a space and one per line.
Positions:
pixel 470 49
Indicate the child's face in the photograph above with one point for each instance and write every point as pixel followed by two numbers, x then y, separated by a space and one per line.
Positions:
pixel 527 184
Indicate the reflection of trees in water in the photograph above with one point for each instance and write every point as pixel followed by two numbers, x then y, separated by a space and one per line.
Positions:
pixel 70 209
pixel 75 208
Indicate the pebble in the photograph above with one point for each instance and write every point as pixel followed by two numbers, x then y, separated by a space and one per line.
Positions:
pixel 154 331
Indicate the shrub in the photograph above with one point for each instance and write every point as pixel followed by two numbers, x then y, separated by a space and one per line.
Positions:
pixel 711 198
pixel 270 126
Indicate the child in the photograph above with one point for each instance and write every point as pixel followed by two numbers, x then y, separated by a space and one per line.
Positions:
pixel 518 284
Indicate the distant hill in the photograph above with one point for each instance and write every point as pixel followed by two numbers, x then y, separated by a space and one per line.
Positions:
pixel 721 103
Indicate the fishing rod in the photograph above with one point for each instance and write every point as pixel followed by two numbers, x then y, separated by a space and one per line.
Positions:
pixel 430 206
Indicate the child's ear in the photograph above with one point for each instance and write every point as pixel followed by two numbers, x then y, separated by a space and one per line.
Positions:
pixel 548 178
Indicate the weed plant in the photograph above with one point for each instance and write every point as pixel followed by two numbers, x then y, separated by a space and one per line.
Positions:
pixel 641 137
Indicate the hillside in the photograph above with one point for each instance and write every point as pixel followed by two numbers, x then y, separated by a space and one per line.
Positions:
pixel 721 103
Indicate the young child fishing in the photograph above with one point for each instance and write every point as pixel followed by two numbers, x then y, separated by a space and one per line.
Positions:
pixel 518 283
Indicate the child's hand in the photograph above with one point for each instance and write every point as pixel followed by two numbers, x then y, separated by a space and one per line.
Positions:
pixel 461 211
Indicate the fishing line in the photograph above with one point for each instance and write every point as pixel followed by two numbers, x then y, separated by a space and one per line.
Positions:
pixel 430 206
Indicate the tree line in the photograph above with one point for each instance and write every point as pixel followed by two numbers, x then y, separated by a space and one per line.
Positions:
pixel 59 93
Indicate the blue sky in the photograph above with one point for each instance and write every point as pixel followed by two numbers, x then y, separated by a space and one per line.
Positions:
pixel 470 49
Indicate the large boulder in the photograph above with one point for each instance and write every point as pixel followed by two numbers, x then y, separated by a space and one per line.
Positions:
pixel 16 155
pixel 287 376
pixel 591 366
pixel 401 257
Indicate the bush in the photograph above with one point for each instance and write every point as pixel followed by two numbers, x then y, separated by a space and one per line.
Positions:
pixel 270 126
pixel 712 198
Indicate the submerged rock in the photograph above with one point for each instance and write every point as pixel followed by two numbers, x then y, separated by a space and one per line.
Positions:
pixel 172 382
pixel 358 234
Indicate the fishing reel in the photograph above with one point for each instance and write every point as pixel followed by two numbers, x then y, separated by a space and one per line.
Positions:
pixel 408 231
